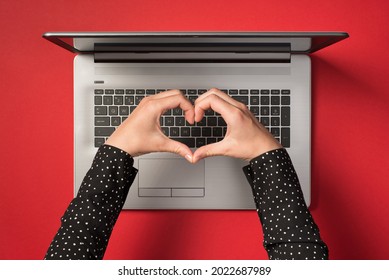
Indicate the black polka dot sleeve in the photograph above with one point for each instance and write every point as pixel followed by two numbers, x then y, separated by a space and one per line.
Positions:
pixel 288 227
pixel 88 221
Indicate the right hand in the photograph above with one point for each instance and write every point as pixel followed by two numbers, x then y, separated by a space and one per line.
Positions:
pixel 246 138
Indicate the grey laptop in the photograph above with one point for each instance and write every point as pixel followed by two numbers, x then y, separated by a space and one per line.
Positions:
pixel 268 71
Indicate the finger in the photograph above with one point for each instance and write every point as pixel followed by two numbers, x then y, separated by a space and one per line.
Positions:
pixel 221 94
pixel 210 150
pixel 217 104
pixel 177 148
pixel 166 94
pixel 174 101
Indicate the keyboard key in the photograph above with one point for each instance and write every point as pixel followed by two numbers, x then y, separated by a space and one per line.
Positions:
pixel 201 91
pixel 104 131
pixel 161 90
pixel 109 91
pixel 233 91
pixel 107 100
pixel 265 100
pixel 254 110
pixel 113 110
pixel 285 91
pixel 183 91
pixel 200 142
pixel 224 90
pixel 265 91
pixel 169 121
pixel 130 91
pixel 275 111
pixel 100 110
pixel 185 131
pixel 140 91
pixel 244 91
pixel 275 91
pixel 265 121
pixel 212 121
pixel 190 142
pixel 99 141
pixel 102 121
pixel 254 100
pixel 217 132
pixel 285 116
pixel 174 131
pixel 285 100
pixel 150 91
pixel 118 100
pixel 99 91
pixel 192 91
pixel 196 131
pixel 180 121
pixel 265 110
pixel 116 121
pixel 129 100
pixel 275 100
pixel 275 121
pixel 254 91
pixel 132 108
pixel 206 131
pixel 119 91
pixel 211 140
pixel 285 137
pixel 98 100
pixel 177 112
pixel 124 110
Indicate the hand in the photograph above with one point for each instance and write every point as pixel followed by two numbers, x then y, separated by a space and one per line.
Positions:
pixel 141 133
pixel 246 138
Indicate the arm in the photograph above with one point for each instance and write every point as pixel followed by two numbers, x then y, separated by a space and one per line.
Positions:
pixel 288 227
pixel 88 222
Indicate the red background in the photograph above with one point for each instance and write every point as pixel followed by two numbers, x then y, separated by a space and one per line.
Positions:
pixel 349 139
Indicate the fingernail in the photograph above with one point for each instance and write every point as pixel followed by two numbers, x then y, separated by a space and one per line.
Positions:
pixel 189 158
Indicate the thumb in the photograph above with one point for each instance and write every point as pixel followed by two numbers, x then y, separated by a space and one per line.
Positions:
pixel 215 149
pixel 176 147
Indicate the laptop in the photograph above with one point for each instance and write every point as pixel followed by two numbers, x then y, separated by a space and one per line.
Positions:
pixel 268 71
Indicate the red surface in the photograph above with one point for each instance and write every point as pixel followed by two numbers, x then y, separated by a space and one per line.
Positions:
pixel 350 131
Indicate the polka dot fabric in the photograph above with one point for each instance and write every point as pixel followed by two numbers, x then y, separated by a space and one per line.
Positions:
pixel 288 227
pixel 87 223
pixel 289 230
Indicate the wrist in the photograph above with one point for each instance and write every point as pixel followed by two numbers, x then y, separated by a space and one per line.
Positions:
pixel 265 147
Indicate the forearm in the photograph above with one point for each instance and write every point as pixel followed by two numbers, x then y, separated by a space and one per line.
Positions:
pixel 88 221
pixel 288 227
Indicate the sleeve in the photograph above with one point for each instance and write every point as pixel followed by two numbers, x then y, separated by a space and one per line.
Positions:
pixel 288 227
pixel 88 221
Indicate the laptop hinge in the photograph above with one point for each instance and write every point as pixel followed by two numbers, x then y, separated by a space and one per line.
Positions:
pixel 193 52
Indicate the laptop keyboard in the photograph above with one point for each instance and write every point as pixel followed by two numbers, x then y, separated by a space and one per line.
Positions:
pixel 270 106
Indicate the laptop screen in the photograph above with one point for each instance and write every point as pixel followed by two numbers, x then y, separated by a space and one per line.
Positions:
pixel 238 42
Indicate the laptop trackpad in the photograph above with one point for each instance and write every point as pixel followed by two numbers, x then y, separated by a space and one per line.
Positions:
pixel 170 177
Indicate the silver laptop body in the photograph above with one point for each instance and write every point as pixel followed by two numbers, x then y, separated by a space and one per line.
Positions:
pixel 247 61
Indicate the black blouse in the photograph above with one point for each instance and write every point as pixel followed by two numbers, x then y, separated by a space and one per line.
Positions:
pixel 288 227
